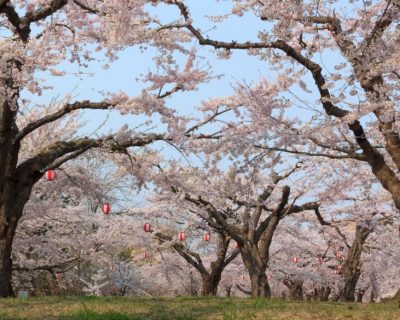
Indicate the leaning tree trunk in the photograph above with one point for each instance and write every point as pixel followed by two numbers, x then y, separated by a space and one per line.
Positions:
pixel 352 265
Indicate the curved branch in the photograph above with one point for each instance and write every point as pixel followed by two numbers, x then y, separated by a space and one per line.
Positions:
pixel 59 149
pixel 188 255
pixel 68 108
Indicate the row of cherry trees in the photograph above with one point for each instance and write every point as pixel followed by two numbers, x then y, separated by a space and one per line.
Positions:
pixel 309 155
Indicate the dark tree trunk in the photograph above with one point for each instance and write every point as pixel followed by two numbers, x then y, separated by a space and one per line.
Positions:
pixel 352 265
pixel 259 286
pixel 228 290
pixel 322 293
pixel 210 284
pixel 210 279
pixel 295 289
pixel 10 213
pixel 5 266
pixel 360 295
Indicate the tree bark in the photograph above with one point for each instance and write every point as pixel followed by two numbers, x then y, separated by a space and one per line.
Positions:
pixel 352 265
pixel 295 289
pixel 210 285
pixel 322 293
pixel 13 200
pixel 256 268
pixel 212 277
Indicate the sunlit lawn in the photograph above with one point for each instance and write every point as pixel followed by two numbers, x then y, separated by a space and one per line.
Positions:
pixel 188 308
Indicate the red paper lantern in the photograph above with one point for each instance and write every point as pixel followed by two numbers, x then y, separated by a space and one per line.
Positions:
pixel 51 175
pixel 147 227
pixel 296 259
pixel 106 208
pixel 206 237
pixel 182 236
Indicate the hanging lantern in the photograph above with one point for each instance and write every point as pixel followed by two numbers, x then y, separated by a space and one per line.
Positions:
pixel 206 237
pixel 106 208
pixel 58 276
pixel 182 236
pixel 51 175
pixel 296 259
pixel 147 227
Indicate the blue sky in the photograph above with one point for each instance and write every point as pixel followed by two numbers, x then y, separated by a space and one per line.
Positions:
pixel 132 63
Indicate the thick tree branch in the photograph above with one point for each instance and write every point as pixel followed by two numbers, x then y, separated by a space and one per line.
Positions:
pixel 85 7
pixel 62 266
pixel 68 108
pixel 355 156
pixel 243 290
pixel 43 12
pixel 219 216
pixel 376 160
pixel 59 149
pixel 188 255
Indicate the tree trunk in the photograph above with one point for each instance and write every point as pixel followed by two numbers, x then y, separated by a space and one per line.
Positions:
pixel 295 289
pixel 360 295
pixel 12 203
pixel 352 265
pixel 228 290
pixel 322 293
pixel 210 284
pixel 5 265
pixel 259 285
pixel 9 217
pixel 256 268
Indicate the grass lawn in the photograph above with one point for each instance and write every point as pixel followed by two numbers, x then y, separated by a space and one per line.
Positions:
pixel 112 308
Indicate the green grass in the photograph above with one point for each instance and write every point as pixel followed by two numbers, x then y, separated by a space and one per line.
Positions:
pixel 188 308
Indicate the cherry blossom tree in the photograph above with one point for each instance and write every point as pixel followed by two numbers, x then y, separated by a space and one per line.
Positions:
pixel 200 238
pixel 247 206
pixel 351 106
pixel 40 36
